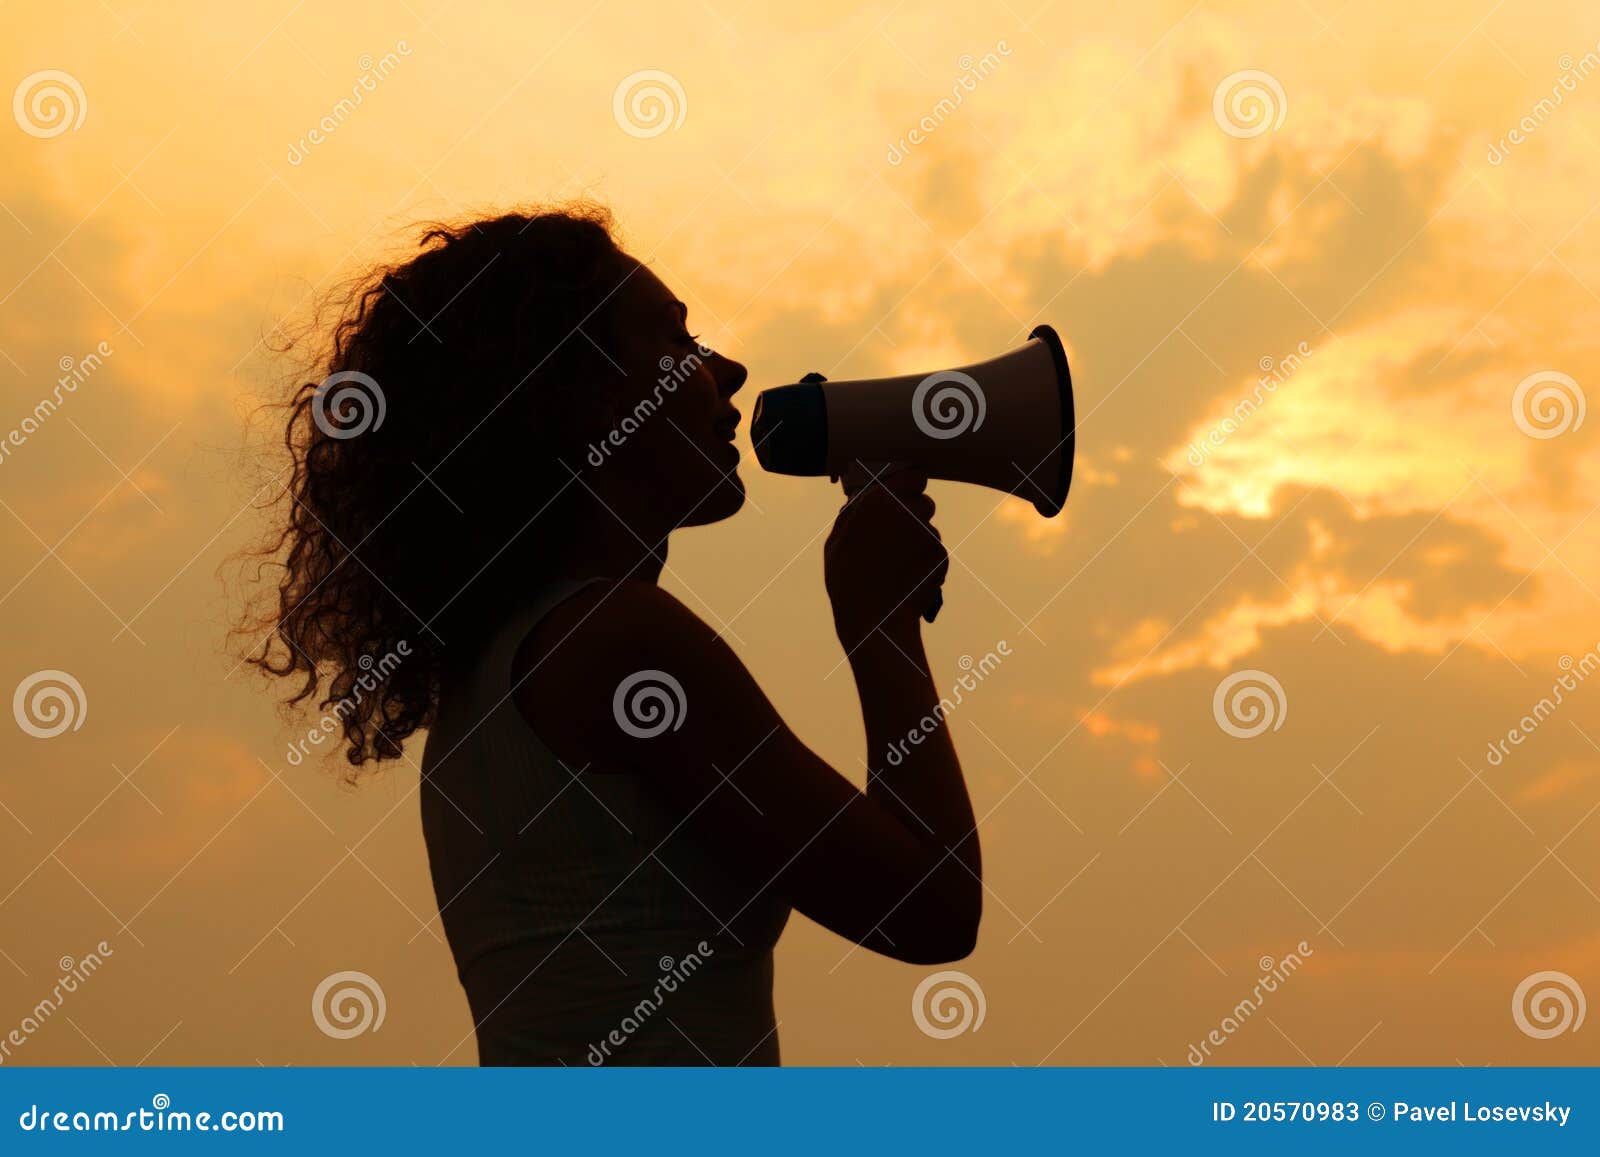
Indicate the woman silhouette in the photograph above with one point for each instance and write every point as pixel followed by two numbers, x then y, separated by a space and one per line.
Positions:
pixel 618 821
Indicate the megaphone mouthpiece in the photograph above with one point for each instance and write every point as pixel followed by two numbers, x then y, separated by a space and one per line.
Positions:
pixel 789 428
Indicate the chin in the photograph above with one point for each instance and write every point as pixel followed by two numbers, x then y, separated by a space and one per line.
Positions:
pixel 724 502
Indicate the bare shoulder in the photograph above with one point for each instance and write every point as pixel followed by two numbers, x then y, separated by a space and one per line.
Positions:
pixel 615 615
pixel 569 669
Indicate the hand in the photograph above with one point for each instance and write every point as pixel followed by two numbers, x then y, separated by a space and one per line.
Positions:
pixel 884 559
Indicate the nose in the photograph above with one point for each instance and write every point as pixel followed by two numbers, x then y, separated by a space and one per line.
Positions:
pixel 729 374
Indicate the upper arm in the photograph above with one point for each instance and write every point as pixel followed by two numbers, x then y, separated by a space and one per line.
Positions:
pixel 625 677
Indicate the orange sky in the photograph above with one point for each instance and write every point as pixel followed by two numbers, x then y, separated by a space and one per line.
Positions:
pixel 1388 527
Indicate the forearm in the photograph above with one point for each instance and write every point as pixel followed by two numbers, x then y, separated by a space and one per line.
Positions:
pixel 913 770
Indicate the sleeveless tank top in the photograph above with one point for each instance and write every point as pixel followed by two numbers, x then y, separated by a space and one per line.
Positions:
pixel 585 929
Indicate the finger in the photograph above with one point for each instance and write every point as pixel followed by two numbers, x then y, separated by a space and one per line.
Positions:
pixel 853 496
pixel 913 502
pixel 907 481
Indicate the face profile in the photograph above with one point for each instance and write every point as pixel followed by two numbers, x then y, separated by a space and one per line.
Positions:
pixel 671 436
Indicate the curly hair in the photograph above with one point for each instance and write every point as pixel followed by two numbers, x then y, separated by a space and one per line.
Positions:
pixel 427 469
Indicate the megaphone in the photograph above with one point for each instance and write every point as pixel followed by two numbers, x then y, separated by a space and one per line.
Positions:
pixel 1006 423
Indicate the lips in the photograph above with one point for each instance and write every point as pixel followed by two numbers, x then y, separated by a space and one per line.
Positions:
pixel 727 426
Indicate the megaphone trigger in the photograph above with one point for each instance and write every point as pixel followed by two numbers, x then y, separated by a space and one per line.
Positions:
pixel 858 475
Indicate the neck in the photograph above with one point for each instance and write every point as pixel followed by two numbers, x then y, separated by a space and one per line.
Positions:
pixel 605 547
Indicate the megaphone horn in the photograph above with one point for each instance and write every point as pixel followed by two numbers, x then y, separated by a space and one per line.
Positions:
pixel 1006 423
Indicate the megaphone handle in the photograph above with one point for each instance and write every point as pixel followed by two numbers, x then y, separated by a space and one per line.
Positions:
pixel 858 475
pixel 931 611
